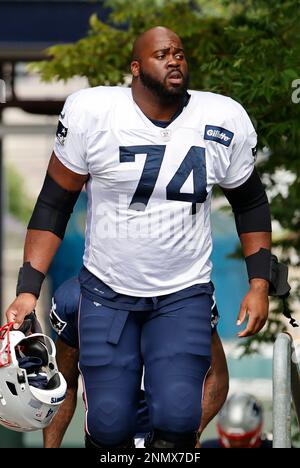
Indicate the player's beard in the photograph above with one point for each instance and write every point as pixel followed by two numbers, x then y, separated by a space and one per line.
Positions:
pixel 161 90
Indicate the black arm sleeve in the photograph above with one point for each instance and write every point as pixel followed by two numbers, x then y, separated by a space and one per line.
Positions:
pixel 53 208
pixel 250 205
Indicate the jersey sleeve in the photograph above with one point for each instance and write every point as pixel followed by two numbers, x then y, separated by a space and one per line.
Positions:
pixel 70 141
pixel 243 149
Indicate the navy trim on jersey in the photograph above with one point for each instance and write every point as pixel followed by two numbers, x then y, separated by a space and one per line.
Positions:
pixel 163 123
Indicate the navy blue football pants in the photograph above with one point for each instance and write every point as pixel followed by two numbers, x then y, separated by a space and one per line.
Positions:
pixel 169 335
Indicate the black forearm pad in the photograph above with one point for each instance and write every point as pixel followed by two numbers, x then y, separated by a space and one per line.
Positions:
pixel 256 220
pixel 247 196
pixel 53 208
pixel 250 205
pixel 29 280
pixel 259 265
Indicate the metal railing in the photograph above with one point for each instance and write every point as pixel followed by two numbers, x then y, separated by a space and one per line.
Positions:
pixel 286 387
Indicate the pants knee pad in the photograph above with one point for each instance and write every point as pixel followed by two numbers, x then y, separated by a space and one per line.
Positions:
pixel 110 425
pixel 178 411
pixel 171 440
pixel 90 443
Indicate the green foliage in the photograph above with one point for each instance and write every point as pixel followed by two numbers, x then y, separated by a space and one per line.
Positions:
pixel 101 56
pixel 246 49
pixel 19 204
pixel 104 55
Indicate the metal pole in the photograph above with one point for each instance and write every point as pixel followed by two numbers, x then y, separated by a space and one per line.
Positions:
pixel 282 392
pixel 296 383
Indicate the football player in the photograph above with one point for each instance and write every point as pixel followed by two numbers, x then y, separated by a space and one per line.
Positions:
pixel 149 155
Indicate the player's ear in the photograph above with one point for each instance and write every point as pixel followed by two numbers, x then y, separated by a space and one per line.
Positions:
pixel 135 68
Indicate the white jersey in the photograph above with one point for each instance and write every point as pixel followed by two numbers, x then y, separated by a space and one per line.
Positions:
pixel 148 225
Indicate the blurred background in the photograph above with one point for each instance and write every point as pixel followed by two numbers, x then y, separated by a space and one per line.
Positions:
pixel 248 50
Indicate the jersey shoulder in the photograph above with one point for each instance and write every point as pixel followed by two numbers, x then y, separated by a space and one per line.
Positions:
pixel 90 109
pixel 218 106
pixel 103 94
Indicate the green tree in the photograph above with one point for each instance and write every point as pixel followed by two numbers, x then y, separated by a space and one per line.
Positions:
pixel 246 49
pixel 19 204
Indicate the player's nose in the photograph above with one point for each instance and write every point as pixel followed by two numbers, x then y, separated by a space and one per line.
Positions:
pixel 173 61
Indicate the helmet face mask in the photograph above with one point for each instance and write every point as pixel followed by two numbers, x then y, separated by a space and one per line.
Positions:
pixel 240 422
pixel 31 388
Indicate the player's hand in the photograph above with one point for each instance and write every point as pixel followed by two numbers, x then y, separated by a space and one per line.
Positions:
pixel 23 305
pixel 255 305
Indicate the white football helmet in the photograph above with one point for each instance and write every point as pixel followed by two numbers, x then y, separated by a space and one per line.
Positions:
pixel 31 387
pixel 241 419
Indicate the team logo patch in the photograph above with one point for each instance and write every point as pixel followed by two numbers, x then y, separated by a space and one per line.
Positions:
pixel 57 324
pixel 61 133
pixel 218 134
